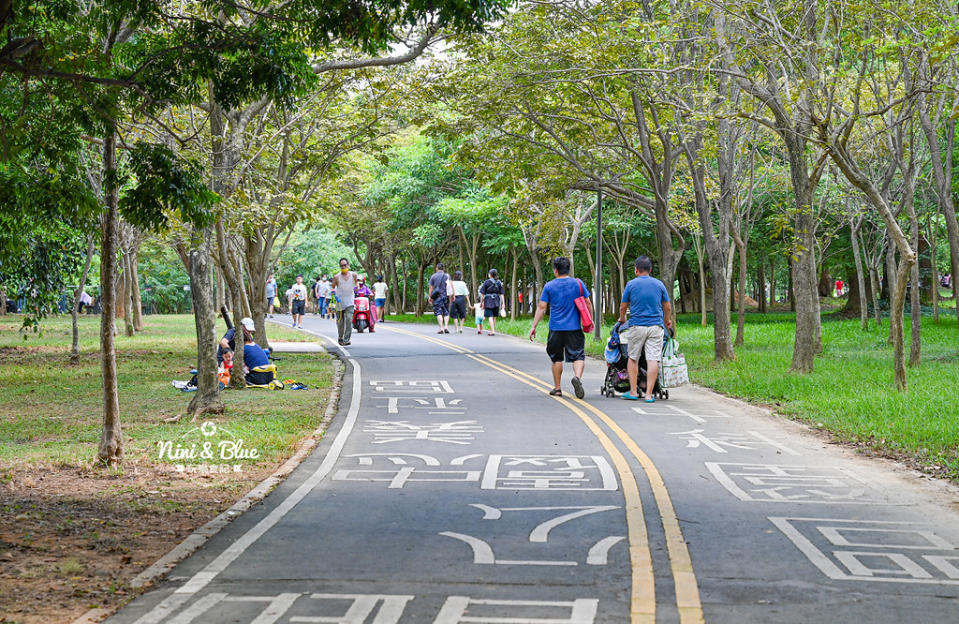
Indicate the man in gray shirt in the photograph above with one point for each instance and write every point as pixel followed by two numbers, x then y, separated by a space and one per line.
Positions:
pixel 270 294
pixel 343 284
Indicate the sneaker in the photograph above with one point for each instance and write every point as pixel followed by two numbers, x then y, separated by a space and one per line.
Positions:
pixel 578 387
pixel 347 343
pixel 293 325
pixel 446 331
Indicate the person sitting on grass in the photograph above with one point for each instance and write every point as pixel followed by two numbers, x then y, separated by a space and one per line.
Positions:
pixel 226 367
pixel 254 356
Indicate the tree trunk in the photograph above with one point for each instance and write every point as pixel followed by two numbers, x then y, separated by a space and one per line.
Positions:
pixel 137 300
pixel 406 283
pixel 741 321
pixel 110 450
pixel 791 290
pixel 206 400
pixel 891 276
pixel 75 310
pixel 942 176
pixel 874 281
pixel 127 295
pixel 932 234
pixel 854 224
pixel 826 283
pixel 915 348
pixel 515 289
pixel 419 288
pixel 808 340
pixel 772 279
pixel 908 257
pixel 761 285
pixel 121 281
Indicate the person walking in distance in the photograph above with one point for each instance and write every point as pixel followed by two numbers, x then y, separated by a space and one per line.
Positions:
pixel 298 302
pixel 379 298
pixel 343 284
pixel 649 312
pixel 492 293
pixel 438 293
pixel 461 302
pixel 322 296
pixel 270 294
pixel 566 340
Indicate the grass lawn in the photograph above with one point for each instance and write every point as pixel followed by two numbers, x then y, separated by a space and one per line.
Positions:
pixel 50 409
pixel 851 392
pixel 71 535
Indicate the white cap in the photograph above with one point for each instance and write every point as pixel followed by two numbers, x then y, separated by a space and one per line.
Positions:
pixel 248 323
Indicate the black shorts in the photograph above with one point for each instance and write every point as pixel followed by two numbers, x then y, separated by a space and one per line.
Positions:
pixel 491 312
pixel 299 307
pixel 458 310
pixel 566 344
pixel 441 306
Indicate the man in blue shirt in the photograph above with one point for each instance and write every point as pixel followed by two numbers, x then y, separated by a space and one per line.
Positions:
pixel 566 339
pixel 649 311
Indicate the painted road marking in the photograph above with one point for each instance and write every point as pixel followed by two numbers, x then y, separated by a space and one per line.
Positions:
pixel 435 405
pixel 439 387
pixel 579 473
pixel 670 410
pixel 778 483
pixel 548 472
pixel 643 590
pixel 483 551
pixel 202 578
pixel 721 441
pixel 458 432
pixel 873 550
pixel 454 611
pixel 688 602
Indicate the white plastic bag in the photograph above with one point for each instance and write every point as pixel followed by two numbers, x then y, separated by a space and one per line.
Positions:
pixel 672 370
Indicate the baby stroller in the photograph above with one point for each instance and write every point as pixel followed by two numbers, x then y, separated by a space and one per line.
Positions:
pixel 617 379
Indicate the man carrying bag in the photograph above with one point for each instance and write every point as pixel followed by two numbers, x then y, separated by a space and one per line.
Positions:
pixel 566 323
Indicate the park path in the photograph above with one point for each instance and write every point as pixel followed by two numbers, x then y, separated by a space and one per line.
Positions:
pixel 451 488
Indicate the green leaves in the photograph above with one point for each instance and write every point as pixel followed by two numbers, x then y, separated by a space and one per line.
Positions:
pixel 162 184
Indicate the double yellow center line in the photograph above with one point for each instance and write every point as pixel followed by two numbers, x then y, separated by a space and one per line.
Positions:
pixel 643 597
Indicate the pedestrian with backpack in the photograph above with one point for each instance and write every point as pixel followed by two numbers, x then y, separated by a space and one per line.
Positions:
pixel 492 293
pixel 438 293
pixel 570 313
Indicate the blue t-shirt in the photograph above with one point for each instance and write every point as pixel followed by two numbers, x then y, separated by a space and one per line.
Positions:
pixel 645 295
pixel 560 294
pixel 254 355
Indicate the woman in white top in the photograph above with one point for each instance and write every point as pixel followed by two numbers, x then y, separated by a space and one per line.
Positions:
pixel 461 302
pixel 379 297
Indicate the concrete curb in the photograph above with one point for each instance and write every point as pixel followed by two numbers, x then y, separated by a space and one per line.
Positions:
pixel 195 540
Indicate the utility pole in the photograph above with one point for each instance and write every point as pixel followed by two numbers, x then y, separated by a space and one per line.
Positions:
pixel 598 281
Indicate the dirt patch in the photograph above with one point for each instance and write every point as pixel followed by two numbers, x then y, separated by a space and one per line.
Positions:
pixel 71 539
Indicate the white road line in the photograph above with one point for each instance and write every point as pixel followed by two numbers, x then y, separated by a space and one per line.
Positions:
pixel 482 553
pixel 228 556
pixel 599 553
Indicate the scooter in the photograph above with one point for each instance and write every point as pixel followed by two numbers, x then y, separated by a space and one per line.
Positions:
pixel 361 314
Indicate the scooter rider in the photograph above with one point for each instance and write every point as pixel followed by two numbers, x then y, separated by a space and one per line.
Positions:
pixel 362 290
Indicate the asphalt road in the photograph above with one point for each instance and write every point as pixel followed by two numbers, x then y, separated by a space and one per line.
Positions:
pixel 451 488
